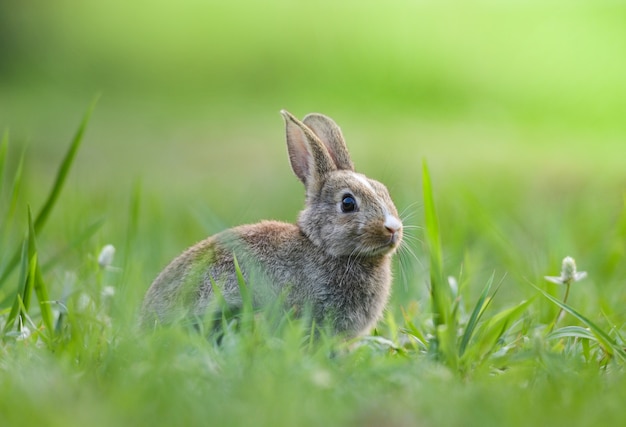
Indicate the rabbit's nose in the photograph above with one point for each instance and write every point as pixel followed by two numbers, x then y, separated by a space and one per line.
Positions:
pixel 392 224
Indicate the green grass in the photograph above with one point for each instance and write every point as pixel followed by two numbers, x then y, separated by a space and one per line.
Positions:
pixel 497 127
pixel 441 358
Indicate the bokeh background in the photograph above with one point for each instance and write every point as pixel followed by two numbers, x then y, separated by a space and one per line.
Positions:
pixel 518 107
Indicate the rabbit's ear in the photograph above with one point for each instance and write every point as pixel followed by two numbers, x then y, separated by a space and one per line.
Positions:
pixel 309 157
pixel 330 134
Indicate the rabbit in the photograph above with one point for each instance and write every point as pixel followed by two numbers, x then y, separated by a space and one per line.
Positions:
pixel 335 261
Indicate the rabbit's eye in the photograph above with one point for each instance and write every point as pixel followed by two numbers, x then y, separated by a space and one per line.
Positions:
pixel 348 203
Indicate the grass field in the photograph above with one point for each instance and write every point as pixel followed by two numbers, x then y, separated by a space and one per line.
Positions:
pixel 497 127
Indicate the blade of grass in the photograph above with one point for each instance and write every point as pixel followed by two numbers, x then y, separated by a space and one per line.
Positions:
pixel 21 290
pixel 411 329
pixel 7 214
pixel 55 191
pixel 28 289
pixel 246 298
pixel 572 332
pixel 247 309
pixel 41 291
pixel 439 289
pixel 32 264
pixel 614 329
pixel 25 319
pixel 64 170
pixel 491 331
pixel 23 299
pixel 16 185
pixel 479 309
pixel 608 344
pixel 447 346
pixel 31 279
pixel 218 311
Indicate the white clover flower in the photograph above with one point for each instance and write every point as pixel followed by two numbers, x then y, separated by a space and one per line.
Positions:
pixel 568 273
pixel 105 259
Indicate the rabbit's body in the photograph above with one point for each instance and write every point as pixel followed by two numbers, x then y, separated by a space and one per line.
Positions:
pixel 336 261
pixel 348 293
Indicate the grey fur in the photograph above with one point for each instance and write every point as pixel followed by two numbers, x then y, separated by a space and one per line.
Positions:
pixel 336 263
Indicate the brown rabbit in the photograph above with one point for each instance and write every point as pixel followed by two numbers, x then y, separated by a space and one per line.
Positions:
pixel 336 260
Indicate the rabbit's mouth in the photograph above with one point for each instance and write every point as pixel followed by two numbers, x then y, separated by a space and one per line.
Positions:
pixel 389 246
pixel 394 239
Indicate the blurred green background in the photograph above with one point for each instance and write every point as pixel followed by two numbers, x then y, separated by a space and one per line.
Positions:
pixel 518 107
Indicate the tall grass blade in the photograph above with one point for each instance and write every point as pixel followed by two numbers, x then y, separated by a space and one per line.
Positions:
pixel 479 309
pixel 447 351
pixel 16 186
pixel 30 279
pixel 9 215
pixel 246 297
pixel 439 289
pixel 55 191
pixel 608 344
pixel 39 286
pixel 64 170
pixel 32 257
pixel 15 305
pixel 28 289
pixel 247 309
pixel 7 212
pixel 219 308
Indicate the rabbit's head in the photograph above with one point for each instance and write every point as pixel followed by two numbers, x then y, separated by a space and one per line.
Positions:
pixel 346 213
